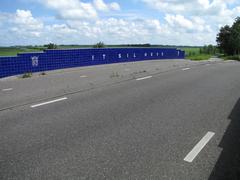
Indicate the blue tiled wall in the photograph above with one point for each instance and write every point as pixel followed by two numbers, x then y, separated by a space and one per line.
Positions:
pixel 59 59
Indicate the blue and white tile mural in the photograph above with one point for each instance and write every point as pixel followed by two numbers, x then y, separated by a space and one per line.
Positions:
pixel 60 59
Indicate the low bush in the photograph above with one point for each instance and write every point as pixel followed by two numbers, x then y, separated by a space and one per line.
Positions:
pixel 114 74
pixel 43 74
pixel 27 75
pixel 236 57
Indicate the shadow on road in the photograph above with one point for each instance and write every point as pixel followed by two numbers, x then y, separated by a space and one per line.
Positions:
pixel 228 164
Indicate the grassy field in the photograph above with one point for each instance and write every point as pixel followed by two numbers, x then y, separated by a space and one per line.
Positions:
pixel 236 57
pixel 199 57
pixel 193 53
pixel 191 50
pixel 13 51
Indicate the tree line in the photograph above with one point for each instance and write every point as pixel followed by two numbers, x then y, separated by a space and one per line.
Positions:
pixel 209 49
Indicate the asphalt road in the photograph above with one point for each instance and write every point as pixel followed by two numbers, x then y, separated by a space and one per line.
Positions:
pixel 133 121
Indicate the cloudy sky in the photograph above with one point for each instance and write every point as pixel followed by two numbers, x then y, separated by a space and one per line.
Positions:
pixel 175 22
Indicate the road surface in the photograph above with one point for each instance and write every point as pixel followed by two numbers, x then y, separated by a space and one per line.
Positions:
pixel 145 120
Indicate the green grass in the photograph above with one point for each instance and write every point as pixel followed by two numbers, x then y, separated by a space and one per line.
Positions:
pixel 27 75
pixel 114 74
pixel 193 53
pixel 13 51
pixel 235 57
pixel 199 57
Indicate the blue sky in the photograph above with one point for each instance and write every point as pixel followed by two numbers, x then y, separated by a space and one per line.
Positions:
pixel 175 22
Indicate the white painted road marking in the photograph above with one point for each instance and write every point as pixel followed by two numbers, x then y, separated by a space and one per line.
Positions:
pixel 198 147
pixel 83 76
pixel 9 89
pixel 139 79
pixel 185 69
pixel 49 102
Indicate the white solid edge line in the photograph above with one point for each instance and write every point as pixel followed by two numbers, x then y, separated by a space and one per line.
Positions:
pixel 198 147
pixel 147 77
pixel 185 69
pixel 49 102
pixel 9 89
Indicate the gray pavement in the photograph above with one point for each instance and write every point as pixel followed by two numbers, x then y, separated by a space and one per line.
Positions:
pixel 60 82
pixel 117 127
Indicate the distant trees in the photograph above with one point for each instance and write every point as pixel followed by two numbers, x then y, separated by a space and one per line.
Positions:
pixel 99 45
pixel 50 46
pixel 228 39
pixel 139 45
pixel 208 49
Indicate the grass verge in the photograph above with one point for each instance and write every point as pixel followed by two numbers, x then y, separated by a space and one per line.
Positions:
pixel 236 57
pixel 199 57
pixel 27 75
pixel 114 75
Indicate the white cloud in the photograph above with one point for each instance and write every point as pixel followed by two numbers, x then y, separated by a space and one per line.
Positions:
pixel 115 6
pixel 61 29
pixel 79 10
pixel 215 11
pixel 102 6
pixel 193 24
pixel 196 7
pixel 113 30
pixel 24 19
pixel 20 28
pixel 186 22
pixel 179 21
pixel 204 3
pixel 196 16
pixel 72 9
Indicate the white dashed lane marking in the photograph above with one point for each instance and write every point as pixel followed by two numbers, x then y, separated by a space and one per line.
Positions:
pixel 185 69
pixel 147 77
pixel 8 89
pixel 198 147
pixel 49 102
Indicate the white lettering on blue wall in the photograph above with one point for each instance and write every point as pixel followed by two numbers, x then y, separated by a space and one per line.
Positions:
pixel 34 61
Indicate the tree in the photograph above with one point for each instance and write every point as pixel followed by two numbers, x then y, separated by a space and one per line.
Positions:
pixel 235 36
pixel 228 39
pixel 223 39
pixel 208 49
pixel 51 46
pixel 99 45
